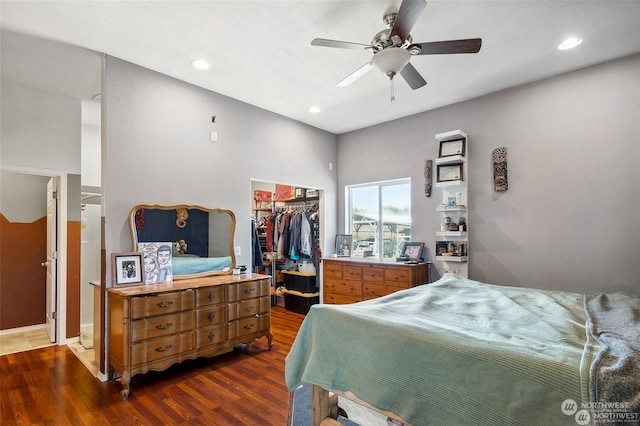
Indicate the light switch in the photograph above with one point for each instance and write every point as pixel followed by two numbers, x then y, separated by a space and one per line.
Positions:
pixel 214 136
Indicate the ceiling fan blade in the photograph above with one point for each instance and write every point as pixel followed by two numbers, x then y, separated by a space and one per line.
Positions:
pixel 408 14
pixel 355 75
pixel 412 77
pixel 469 45
pixel 339 44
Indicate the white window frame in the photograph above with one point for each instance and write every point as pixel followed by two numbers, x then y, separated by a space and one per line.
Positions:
pixel 380 231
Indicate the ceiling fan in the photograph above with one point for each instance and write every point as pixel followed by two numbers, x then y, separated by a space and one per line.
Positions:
pixel 393 47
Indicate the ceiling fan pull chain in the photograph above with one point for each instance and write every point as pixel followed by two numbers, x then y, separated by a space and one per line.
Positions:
pixel 393 96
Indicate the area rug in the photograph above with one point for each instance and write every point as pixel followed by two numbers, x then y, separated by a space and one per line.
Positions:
pixel 302 408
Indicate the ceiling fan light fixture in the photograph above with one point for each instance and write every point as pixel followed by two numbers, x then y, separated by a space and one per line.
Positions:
pixel 391 60
pixel 569 43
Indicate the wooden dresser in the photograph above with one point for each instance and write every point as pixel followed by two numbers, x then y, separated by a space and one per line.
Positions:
pixel 349 280
pixel 152 327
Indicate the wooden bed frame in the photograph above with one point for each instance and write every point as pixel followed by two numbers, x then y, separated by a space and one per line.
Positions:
pixel 324 407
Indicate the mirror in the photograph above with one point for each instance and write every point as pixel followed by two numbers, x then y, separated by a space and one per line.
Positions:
pixel 201 238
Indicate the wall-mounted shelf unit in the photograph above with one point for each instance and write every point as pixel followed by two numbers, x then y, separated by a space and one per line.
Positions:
pixel 452 181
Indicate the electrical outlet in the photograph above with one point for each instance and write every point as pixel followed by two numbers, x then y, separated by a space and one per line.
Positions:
pixel 237 250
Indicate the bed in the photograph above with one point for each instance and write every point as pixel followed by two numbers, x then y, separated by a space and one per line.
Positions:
pixel 463 352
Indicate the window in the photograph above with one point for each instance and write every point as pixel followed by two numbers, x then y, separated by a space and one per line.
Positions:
pixel 379 217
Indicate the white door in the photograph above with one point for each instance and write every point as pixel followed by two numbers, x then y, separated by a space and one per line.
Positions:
pixel 52 256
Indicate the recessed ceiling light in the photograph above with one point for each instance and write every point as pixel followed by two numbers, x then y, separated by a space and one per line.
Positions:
pixel 314 109
pixel 569 43
pixel 200 64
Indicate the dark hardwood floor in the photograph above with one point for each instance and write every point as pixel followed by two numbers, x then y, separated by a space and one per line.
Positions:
pixel 50 386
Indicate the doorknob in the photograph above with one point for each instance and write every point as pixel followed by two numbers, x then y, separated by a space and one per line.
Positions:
pixel 44 264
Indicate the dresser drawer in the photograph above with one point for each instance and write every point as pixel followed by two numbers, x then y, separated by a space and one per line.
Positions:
pixel 340 299
pixel 250 325
pixel 371 291
pixel 210 316
pixel 246 308
pixel 398 277
pixel 249 290
pixel 211 335
pixel 352 273
pixel 163 325
pixel 371 274
pixel 162 347
pixel 161 303
pixel 346 288
pixel 210 295
pixel 332 271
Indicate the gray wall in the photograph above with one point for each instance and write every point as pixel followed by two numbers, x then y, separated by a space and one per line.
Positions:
pixel 157 149
pixel 570 218
pixel 40 129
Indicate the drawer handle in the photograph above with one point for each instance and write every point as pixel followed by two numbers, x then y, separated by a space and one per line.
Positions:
pixel 395 277
pixel 211 336
pixel 212 296
pixel 250 290
pixel 161 349
pixel 211 316
pixel 163 305
pixel 249 326
pixel 250 308
pixel 164 327
pixel 372 274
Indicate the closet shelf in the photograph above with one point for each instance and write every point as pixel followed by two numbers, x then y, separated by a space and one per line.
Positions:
pixel 298 200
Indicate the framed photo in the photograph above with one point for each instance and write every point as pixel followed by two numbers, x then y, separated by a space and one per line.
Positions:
pixel 451 148
pixel 449 172
pixel 127 269
pixel 344 245
pixel 158 262
pixel 412 250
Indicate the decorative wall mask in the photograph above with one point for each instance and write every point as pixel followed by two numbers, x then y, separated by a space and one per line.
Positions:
pixel 500 180
pixel 428 177
pixel 182 216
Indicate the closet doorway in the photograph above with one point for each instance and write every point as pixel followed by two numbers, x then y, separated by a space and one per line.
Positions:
pixel 286 226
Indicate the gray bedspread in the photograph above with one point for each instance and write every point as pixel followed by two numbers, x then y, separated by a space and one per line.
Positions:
pixel 614 321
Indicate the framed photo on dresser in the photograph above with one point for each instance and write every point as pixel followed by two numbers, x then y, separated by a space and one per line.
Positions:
pixel 127 269
pixel 344 245
pixel 412 251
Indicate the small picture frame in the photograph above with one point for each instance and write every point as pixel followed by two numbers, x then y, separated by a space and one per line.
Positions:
pixel 451 148
pixel 412 251
pixel 450 172
pixel 344 245
pixel 127 269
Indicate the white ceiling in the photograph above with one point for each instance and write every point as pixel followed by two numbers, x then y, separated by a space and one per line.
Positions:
pixel 260 51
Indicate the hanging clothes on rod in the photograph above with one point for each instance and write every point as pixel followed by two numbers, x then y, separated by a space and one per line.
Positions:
pixel 289 232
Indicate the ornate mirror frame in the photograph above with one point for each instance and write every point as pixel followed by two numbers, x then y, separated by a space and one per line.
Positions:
pixel 202 231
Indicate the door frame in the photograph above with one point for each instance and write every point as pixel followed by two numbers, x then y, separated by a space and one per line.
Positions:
pixel 61 273
pixel 51 259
